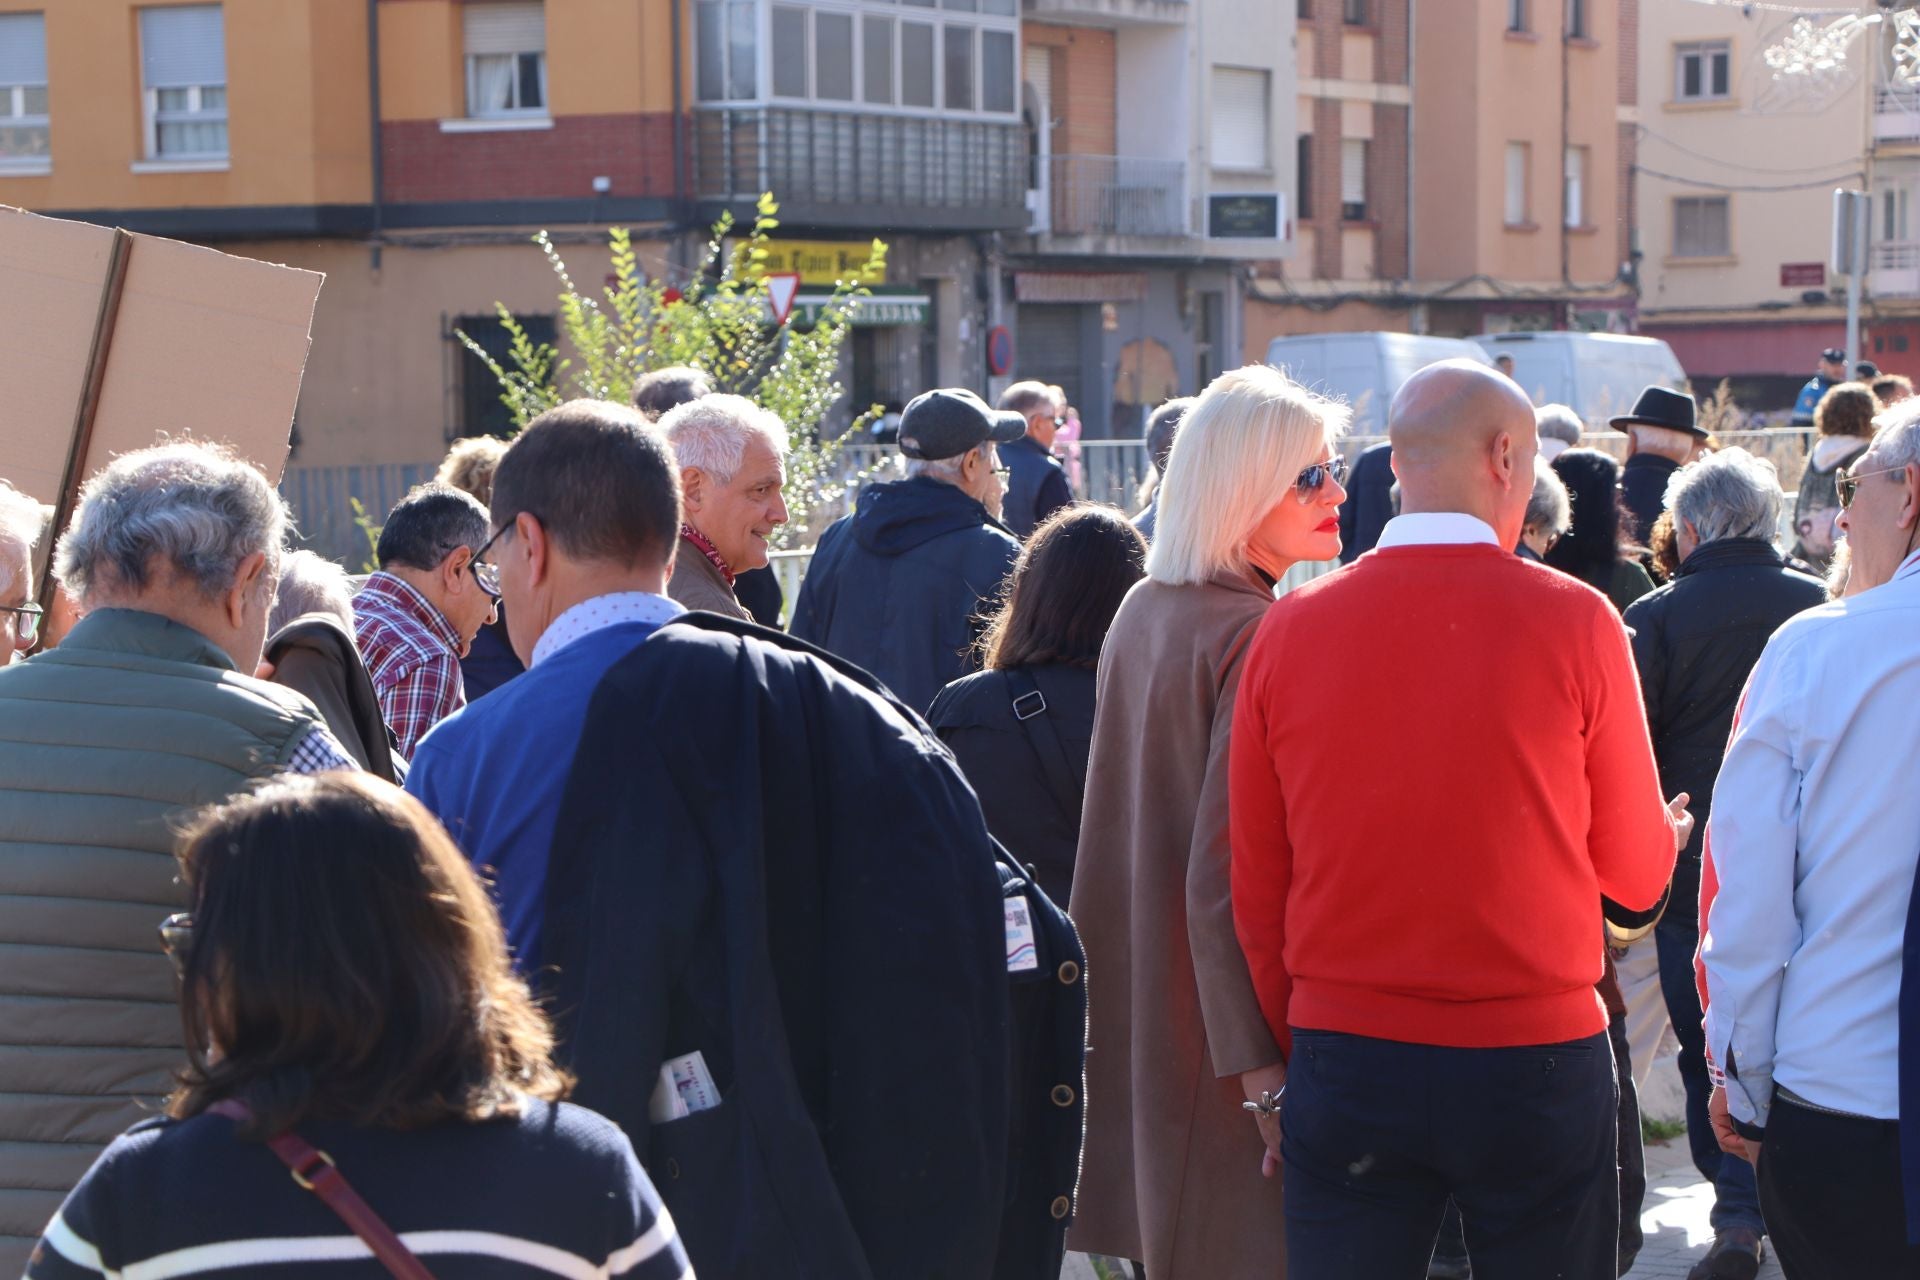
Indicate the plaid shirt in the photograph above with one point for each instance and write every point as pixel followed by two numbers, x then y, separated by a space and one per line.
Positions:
pixel 413 654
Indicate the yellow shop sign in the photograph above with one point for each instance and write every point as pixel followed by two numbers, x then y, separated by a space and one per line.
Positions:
pixel 822 261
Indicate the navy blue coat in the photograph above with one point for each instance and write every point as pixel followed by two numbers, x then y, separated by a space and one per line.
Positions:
pixel 763 859
pixel 898 587
pixel 1369 503
pixel 1036 486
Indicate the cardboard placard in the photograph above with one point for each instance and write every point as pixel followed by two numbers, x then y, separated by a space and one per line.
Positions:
pixel 116 341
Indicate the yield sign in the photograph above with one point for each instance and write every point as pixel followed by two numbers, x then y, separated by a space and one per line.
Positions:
pixel 782 289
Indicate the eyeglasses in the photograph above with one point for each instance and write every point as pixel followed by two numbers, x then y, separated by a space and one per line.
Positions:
pixel 1315 477
pixel 176 939
pixel 26 622
pixel 1847 485
pixel 1003 472
pixel 486 573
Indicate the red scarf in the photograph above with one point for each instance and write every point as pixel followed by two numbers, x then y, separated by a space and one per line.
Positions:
pixel 705 548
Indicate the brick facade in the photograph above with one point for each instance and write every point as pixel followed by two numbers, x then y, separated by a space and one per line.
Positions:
pixel 1392 214
pixel 423 164
pixel 1084 82
pixel 1388 211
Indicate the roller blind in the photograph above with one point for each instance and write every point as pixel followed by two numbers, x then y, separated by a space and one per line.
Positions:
pixel 23 48
pixel 1038 69
pixel 1353 171
pixel 1239 118
pixel 505 28
pixel 182 46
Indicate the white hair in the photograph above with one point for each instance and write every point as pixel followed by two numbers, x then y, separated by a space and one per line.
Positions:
pixel 711 433
pixel 1549 508
pixel 199 508
pixel 21 519
pixel 1239 450
pixel 1558 422
pixel 311 583
pixel 1729 494
pixel 1652 437
pixel 1896 440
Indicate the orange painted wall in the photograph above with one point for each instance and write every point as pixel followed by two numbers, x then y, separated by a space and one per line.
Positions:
pixel 297 131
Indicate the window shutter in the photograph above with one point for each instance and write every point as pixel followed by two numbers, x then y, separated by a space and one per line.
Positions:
pixel 1516 183
pixel 505 28
pixel 182 46
pixel 23 48
pixel 1037 67
pixel 1353 171
pixel 1239 118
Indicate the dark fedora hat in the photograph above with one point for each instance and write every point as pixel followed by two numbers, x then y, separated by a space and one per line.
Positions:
pixel 1660 407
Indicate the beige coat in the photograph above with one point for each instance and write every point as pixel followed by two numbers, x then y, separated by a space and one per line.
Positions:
pixel 1172 1169
pixel 697 584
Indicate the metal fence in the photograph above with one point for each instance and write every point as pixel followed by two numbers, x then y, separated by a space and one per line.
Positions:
pixel 322 499
pixel 1117 196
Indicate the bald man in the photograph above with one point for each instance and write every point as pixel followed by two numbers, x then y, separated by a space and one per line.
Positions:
pixel 1417 907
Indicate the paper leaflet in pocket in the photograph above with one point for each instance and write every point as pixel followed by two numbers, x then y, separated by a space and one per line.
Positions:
pixel 685 1087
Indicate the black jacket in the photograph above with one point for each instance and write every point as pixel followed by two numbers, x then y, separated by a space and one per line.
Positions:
pixel 764 859
pixel 1695 641
pixel 899 586
pixel 1643 485
pixel 1036 487
pixel 1369 503
pixel 1001 755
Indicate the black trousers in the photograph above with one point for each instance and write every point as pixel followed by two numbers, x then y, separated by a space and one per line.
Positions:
pixel 1830 1192
pixel 1377 1135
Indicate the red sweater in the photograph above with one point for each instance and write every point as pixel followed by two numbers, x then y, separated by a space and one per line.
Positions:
pixel 1440 763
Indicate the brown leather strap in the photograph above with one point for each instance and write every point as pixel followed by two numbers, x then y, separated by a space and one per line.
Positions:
pixel 314 1170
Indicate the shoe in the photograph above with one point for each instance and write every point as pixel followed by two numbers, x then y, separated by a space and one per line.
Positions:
pixel 1735 1255
pixel 1449 1269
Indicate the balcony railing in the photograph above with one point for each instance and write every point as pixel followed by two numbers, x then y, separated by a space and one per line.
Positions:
pixel 1896 114
pixel 1116 196
pixel 1894 268
pixel 863 168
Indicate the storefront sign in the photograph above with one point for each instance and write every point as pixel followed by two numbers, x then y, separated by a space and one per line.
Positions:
pixel 1803 275
pixel 821 261
pixel 1245 217
pixel 1079 286
pixel 879 311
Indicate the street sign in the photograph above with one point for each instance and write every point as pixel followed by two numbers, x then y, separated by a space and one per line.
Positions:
pixel 782 289
pixel 1803 275
pixel 999 350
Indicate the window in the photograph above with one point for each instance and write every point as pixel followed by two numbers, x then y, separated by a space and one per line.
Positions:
pixel 1702 72
pixel 1240 118
pixel 876 44
pixel 1353 179
pixel 1303 168
pixel 725 46
pixel 832 56
pixel 1517 166
pixel 997 90
pixel 506 60
pixel 1574 187
pixel 24 140
pixel 789 51
pixel 1516 15
pixel 916 64
pixel 1576 19
pixel 183 73
pixel 1354 12
pixel 482 412
pixel 959 68
pixel 1893 219
pixel 1303 9
pixel 1700 227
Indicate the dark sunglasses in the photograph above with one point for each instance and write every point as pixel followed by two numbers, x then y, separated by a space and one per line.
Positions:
pixel 1315 477
pixel 176 939
pixel 1847 485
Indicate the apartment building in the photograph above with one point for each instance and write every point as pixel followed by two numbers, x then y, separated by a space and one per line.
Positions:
pixel 1159 164
pixel 1461 170
pixel 409 148
pixel 1736 169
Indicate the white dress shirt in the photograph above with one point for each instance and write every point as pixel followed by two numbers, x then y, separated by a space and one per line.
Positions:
pixel 599 613
pixel 1814 838
pixel 1435 528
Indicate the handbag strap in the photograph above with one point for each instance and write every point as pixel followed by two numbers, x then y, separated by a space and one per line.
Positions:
pixel 314 1170
pixel 1030 710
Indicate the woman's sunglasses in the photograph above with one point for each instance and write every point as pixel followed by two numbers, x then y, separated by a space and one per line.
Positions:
pixel 1315 477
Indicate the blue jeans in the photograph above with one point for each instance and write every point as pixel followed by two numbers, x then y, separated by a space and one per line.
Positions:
pixel 1377 1134
pixel 1736 1197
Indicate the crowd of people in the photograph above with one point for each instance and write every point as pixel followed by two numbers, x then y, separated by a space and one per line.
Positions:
pixel 1056 881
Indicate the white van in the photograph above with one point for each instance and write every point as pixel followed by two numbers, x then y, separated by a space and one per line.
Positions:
pixel 1599 374
pixel 1364 369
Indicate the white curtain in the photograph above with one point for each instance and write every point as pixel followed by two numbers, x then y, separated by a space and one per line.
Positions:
pixel 492 84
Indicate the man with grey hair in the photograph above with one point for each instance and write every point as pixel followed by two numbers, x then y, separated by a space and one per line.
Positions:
pixel 20 521
pixel 416 618
pixel 1036 482
pixel 1559 427
pixel 148 710
pixel 1694 641
pixel 1549 512
pixel 731 455
pixel 899 586
pixel 1163 424
pixel 1811 932
pixel 1664 434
